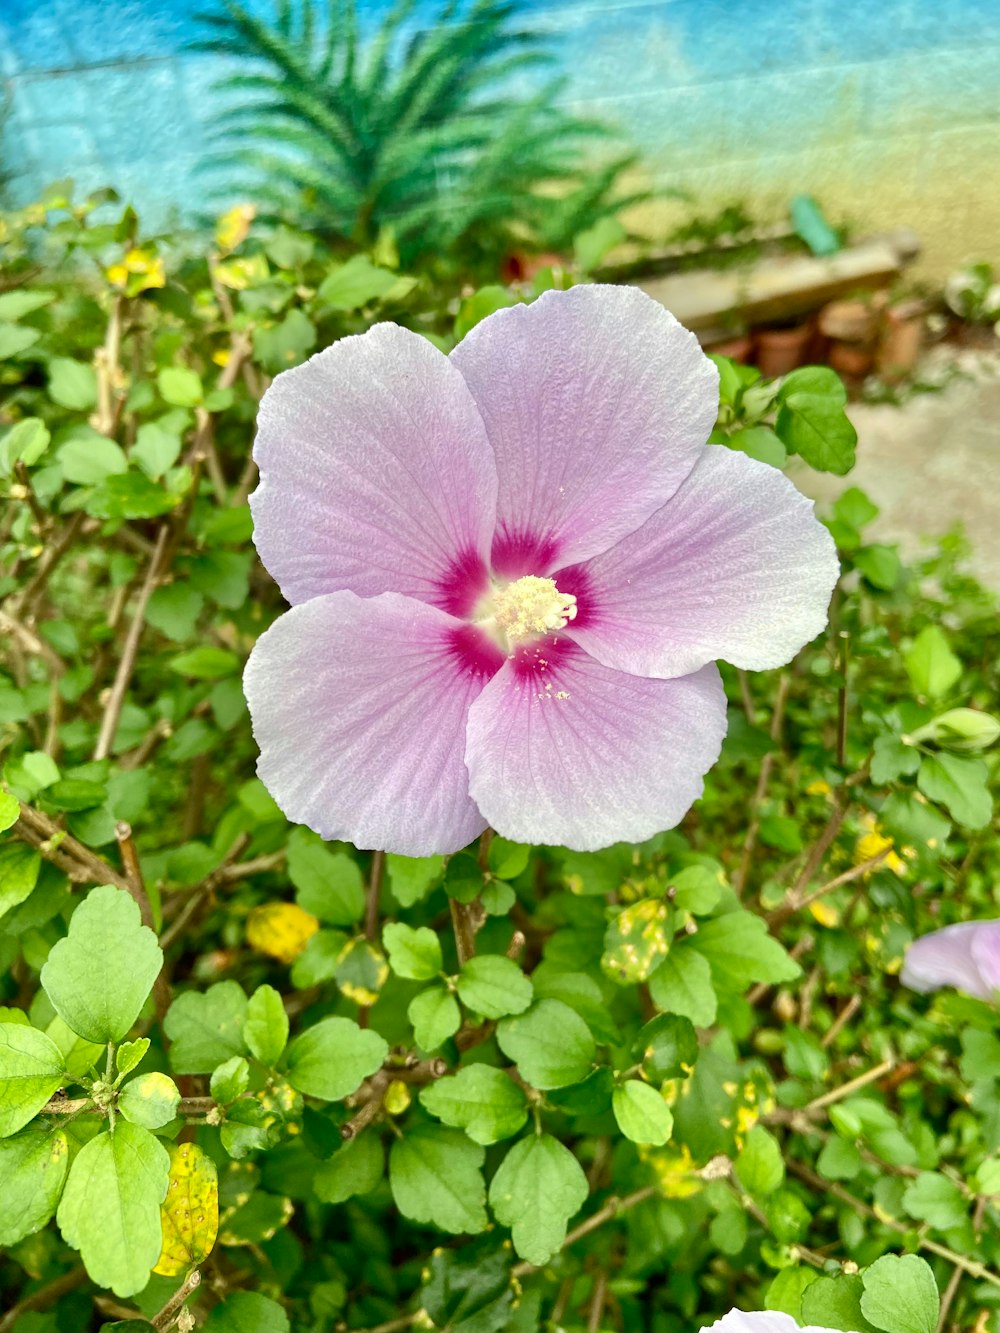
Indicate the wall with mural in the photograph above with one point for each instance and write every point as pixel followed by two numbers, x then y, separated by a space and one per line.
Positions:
pixel 887 110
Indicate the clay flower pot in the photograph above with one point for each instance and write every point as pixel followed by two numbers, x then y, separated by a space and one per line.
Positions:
pixel 848 321
pixel 737 348
pixel 777 351
pixel 851 359
pixel 901 340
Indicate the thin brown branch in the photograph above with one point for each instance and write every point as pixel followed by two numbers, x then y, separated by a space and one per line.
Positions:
pixel 465 934
pixel 167 1317
pixel 47 1295
pixel 826 1187
pixel 126 665
pixel 223 873
pixel 55 551
pixel 767 763
pixel 843 1018
pixel 793 903
pixel 77 861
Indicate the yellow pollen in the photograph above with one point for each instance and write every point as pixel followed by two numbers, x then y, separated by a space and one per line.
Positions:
pixel 531 606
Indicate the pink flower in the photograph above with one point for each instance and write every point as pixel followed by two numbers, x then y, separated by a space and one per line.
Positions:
pixel 511 570
pixel 763 1321
pixel 966 956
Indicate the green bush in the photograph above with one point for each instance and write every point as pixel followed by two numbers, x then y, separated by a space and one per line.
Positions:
pixel 631 1089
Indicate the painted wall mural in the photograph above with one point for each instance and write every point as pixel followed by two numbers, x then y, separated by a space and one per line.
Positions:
pixel 886 110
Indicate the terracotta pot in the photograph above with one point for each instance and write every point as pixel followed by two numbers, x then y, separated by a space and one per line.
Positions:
pixel 852 359
pixel 777 351
pixel 737 348
pixel 522 267
pixel 848 321
pixel 901 341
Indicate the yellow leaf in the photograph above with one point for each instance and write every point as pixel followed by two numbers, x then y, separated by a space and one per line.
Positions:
pixel 397 1097
pixel 281 930
pixel 233 227
pixel 189 1214
pixel 873 842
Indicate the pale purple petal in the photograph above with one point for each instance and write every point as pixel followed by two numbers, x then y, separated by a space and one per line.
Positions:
pixel 359 708
pixel 563 750
pixel 376 474
pixel 986 954
pixel 762 1321
pixel 597 404
pixel 966 956
pixel 735 566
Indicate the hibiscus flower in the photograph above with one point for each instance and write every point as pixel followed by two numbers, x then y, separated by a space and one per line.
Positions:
pixel 511 571
pixel 966 956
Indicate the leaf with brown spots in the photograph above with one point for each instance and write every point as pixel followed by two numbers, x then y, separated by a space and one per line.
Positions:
pixel 190 1212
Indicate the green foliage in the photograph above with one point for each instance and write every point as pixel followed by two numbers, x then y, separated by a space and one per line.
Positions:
pixel 680 1077
pixel 409 139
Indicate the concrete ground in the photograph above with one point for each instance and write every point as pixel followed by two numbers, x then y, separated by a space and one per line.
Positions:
pixel 932 462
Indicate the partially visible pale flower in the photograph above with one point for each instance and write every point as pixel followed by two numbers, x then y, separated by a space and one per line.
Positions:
pixel 761 1321
pixel 966 956
pixel 511 571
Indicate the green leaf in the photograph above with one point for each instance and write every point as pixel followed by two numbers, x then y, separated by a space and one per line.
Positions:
pixel 15 305
pixel 19 867
pixel 156 449
pixel 682 984
pixel 151 1100
pixel 550 1044
pixel 811 420
pixel 33 1166
pixel 206 663
pixel 959 783
pixel 130 1054
pixel 642 1114
pixel 411 878
pixel 538 1187
pixel 72 384
pixel 667 1047
pixel 592 244
pixel 760 1167
pixel 435 1016
pixel 930 664
pixel 180 387
pixel 934 1198
pixel 494 986
pixel 893 759
pixel 174 610
pixel 110 1209
pixel 836 1303
pixel 880 565
pixel 287 343
pixel 206 1028
pixel 785 1292
pixel 436 1176
pixel 356 1168
pixel 507 859
pixel 10 810
pixel 15 339
pixel 636 941
pixel 88 459
pixel 476 307
pixel 696 889
pixel 759 442
pixel 333 1058
pixel 414 954
pixel 328 884
pixel 740 951
pixel 266 1028
pixel 99 976
pixel 23 443
pixel 900 1295
pixel 247 1312
pixel 354 284
pixel 482 1100
pixel 31 1068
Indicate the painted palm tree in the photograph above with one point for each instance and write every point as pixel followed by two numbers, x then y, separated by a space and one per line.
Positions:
pixel 415 129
